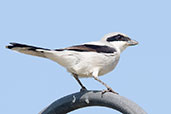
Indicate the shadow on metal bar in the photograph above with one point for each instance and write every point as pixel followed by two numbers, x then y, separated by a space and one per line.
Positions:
pixel 93 98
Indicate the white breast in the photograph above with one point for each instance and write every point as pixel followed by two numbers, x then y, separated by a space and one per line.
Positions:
pixel 84 63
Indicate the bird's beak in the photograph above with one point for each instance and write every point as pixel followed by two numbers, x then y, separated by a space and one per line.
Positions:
pixel 132 43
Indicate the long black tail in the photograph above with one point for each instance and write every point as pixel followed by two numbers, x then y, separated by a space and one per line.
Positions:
pixel 27 49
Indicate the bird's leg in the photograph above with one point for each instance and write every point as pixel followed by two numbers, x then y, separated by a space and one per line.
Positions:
pixel 109 89
pixel 82 86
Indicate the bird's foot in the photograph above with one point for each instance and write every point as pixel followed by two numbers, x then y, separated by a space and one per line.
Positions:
pixel 83 89
pixel 109 90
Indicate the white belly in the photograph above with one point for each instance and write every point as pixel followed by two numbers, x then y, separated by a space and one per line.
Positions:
pixel 84 63
pixel 103 65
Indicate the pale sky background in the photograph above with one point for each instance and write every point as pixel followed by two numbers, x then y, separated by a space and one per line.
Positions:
pixel 28 84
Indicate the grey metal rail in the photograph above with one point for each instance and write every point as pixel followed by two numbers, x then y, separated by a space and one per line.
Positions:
pixel 93 98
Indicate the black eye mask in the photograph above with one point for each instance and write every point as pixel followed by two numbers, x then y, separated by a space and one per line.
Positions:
pixel 118 37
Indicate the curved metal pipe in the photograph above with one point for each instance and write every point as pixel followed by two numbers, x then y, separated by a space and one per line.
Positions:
pixel 93 98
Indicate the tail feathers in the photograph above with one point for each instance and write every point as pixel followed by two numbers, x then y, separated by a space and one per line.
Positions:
pixel 26 49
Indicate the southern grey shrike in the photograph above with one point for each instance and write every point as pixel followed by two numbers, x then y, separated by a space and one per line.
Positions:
pixel 92 59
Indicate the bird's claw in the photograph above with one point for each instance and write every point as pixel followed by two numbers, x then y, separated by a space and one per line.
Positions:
pixel 83 89
pixel 109 90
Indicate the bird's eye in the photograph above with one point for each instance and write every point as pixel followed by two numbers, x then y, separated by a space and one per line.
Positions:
pixel 115 38
pixel 118 37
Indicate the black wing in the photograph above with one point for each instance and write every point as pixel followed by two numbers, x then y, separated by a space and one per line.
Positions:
pixel 90 48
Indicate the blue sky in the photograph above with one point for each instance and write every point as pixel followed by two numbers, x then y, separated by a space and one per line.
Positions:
pixel 28 84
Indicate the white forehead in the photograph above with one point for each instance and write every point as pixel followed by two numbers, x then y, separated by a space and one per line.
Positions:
pixel 112 34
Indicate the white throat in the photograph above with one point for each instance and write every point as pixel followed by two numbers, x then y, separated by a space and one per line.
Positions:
pixel 119 45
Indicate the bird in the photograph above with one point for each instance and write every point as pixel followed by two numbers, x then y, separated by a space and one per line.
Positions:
pixel 91 59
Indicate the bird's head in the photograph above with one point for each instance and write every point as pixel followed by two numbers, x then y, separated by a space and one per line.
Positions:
pixel 119 40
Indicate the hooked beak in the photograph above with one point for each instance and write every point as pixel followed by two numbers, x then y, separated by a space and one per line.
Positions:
pixel 132 43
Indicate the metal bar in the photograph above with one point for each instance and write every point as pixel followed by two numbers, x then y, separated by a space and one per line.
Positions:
pixel 93 98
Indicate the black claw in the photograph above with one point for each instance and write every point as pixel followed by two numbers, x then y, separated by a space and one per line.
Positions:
pixel 109 90
pixel 83 89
